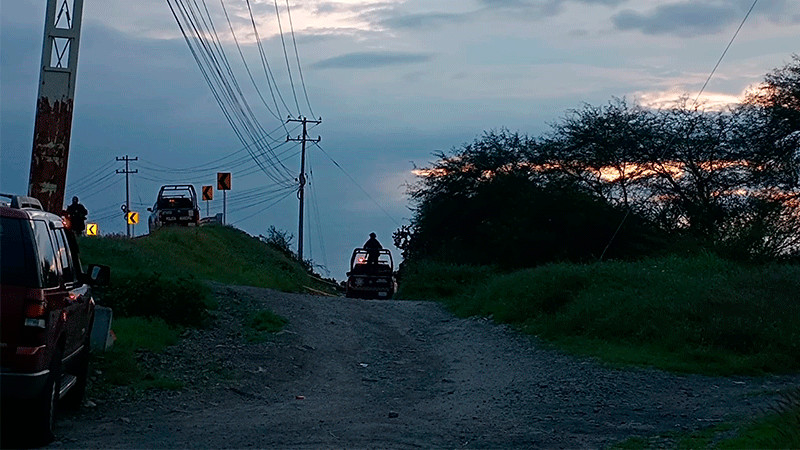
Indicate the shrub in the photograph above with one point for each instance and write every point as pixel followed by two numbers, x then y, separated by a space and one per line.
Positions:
pixel 177 300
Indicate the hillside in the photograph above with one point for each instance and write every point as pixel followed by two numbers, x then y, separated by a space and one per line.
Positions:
pixel 214 253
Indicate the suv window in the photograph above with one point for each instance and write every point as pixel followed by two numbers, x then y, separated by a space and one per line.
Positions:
pixel 17 263
pixel 47 257
pixel 65 256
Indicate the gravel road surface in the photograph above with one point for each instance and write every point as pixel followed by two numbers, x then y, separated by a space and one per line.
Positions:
pixel 388 374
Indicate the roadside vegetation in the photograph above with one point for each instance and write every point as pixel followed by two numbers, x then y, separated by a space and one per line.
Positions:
pixel 699 314
pixel 667 238
pixel 779 428
pixel 261 323
pixel 120 367
pixel 159 288
pixel 214 253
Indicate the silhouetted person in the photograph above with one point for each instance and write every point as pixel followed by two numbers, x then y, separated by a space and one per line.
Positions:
pixel 77 216
pixel 373 248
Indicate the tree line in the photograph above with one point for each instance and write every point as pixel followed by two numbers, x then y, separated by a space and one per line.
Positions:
pixel 620 181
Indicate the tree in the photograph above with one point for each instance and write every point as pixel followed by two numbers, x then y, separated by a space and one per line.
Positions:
pixel 693 172
pixel 603 148
pixel 728 180
pixel 492 202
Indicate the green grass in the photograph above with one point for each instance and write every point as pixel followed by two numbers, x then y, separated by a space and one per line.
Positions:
pixel 779 429
pixel 261 323
pixel 216 253
pixel 119 365
pixel 696 314
pixel 435 281
pixel 158 285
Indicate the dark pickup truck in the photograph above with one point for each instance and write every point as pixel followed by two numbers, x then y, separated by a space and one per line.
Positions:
pixel 176 205
pixel 371 279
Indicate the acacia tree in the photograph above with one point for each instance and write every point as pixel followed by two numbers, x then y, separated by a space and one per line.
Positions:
pixel 730 180
pixel 770 224
pixel 494 202
pixel 603 148
pixel 705 174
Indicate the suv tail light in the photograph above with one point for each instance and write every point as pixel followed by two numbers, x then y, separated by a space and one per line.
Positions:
pixel 35 309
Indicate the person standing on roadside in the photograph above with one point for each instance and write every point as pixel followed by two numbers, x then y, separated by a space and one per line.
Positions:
pixel 77 217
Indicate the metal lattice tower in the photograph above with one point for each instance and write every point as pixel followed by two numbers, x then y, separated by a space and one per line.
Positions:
pixel 53 126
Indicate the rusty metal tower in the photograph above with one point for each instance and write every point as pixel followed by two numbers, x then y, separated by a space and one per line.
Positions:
pixel 53 126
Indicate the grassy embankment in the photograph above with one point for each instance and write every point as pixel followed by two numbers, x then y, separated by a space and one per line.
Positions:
pixel 699 314
pixel 158 287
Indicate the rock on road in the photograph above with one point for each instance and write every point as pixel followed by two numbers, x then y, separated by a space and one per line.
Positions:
pixel 353 373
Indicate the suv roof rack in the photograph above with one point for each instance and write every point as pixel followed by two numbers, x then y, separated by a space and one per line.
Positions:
pixel 22 201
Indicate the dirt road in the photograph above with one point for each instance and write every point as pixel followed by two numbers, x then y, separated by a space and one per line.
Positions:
pixel 353 373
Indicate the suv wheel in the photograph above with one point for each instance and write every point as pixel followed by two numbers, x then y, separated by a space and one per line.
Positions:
pixel 74 397
pixel 43 413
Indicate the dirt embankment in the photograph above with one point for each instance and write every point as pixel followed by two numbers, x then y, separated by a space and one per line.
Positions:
pixel 354 373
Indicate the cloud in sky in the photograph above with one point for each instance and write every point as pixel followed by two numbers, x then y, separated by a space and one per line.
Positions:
pixel 693 18
pixel 708 101
pixel 369 60
pixel 423 20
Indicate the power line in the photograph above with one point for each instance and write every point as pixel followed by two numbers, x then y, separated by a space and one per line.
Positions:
pixel 280 199
pixel 103 189
pixel 357 185
pixel 317 218
pixel 693 124
pixel 297 57
pixel 93 183
pixel 276 114
pixel 210 58
pixel 286 57
pixel 265 62
pixel 89 179
pixel 719 61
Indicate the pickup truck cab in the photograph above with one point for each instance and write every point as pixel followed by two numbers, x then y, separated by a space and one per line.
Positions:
pixel 176 205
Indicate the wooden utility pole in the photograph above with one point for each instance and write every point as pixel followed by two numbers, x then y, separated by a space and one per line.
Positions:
pixel 127 187
pixel 302 178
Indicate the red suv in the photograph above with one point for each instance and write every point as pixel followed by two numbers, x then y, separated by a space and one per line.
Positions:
pixel 46 315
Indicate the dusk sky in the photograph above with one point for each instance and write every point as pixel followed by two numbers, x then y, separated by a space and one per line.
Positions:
pixel 394 82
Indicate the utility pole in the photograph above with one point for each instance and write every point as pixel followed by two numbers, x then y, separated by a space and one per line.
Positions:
pixel 302 178
pixel 53 125
pixel 127 187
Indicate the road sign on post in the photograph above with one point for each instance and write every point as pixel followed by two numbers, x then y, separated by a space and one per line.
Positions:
pixel 224 185
pixel 91 229
pixel 208 195
pixel 133 217
pixel 224 181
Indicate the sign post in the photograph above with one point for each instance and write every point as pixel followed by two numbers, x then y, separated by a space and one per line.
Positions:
pixel 208 194
pixel 132 218
pixel 224 185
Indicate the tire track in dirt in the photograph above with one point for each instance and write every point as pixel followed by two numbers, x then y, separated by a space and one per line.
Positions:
pixel 353 373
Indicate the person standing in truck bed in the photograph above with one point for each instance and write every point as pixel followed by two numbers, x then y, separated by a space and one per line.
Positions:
pixel 373 248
